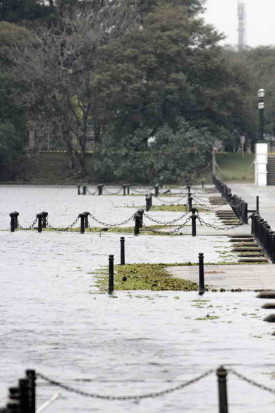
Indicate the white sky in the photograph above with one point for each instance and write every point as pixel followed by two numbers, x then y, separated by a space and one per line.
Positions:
pixel 260 20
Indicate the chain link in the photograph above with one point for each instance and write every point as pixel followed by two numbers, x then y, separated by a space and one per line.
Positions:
pixel 63 229
pixel 141 192
pixel 30 227
pixel 112 225
pixel 165 223
pixel 252 382
pixel 207 207
pixel 202 222
pixel 112 193
pixel 169 202
pixel 91 193
pixel 124 398
pixel 168 232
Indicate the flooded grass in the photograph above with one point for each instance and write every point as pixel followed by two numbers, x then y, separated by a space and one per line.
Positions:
pixel 152 277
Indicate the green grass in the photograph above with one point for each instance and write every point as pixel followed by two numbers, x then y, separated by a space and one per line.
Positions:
pixel 233 168
pixel 152 277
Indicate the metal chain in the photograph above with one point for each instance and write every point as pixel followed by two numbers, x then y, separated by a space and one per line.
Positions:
pixel 112 225
pixel 202 222
pixel 169 202
pixel 168 232
pixel 30 227
pixel 168 222
pixel 91 193
pixel 252 382
pixel 207 207
pixel 141 192
pixel 63 229
pixel 124 398
pixel 111 193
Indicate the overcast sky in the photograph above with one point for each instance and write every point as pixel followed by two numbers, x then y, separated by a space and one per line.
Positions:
pixel 260 20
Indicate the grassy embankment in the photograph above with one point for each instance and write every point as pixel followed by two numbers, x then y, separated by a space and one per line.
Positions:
pixel 232 167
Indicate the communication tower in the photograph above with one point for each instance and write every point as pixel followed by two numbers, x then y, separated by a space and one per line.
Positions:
pixel 242 25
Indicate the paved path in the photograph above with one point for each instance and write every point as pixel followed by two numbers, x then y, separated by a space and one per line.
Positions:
pixel 246 277
pixel 267 199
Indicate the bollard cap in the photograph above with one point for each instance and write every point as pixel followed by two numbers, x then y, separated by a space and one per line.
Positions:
pixel 194 210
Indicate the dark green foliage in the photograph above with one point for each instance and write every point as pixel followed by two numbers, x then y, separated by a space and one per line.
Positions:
pixel 172 155
pixel 18 11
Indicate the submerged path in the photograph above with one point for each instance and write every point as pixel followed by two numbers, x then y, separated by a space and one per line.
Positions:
pixel 267 199
pixel 242 276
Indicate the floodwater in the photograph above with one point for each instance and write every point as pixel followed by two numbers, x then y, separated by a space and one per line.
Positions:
pixel 54 319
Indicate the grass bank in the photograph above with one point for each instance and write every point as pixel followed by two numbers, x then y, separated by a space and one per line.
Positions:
pixel 232 167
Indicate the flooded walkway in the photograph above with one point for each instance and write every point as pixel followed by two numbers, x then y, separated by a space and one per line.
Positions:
pixel 243 276
pixel 55 320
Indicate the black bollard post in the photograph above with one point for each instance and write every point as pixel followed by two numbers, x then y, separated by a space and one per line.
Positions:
pixel 86 219
pixel 194 224
pixel 223 405
pixel 44 219
pixel 12 222
pixel 201 274
pixel 189 189
pixel 122 251
pixel 15 214
pixel 31 376
pixel 190 199
pixel 23 396
pixel 137 219
pixel 111 274
pixel 82 223
pixel 156 191
pixel 141 213
pixel 78 190
pixel 84 190
pixel 148 200
pixel 128 189
pixel 39 222
pixel 100 189
pixel 202 183
pixel 257 203
pixel 13 405
pixel 124 189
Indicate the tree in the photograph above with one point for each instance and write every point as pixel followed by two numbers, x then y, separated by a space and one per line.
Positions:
pixel 172 155
pixel 12 121
pixel 58 71
pixel 19 11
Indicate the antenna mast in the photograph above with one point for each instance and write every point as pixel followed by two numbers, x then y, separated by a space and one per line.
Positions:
pixel 242 25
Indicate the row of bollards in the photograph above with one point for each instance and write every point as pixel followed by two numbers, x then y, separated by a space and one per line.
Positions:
pixel 42 221
pixel 82 189
pixel 21 399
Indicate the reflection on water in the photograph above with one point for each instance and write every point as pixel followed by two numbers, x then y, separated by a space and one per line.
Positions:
pixel 54 320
